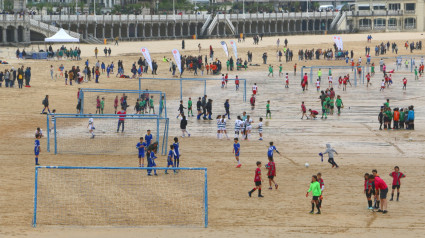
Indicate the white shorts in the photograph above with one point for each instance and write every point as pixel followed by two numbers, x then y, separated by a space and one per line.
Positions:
pixel 249 128
pixel 90 127
pixel 260 130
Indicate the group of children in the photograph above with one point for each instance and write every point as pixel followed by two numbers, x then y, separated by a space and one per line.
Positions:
pixel 376 186
pixel 243 127
pixel 173 158
pixel 399 118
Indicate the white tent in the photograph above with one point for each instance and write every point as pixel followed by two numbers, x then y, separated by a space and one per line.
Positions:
pixel 61 36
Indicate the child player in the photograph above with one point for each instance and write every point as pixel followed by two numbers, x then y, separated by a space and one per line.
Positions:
pixel 37 148
pixel 368 190
pixel 271 167
pixel 397 176
pixel 322 187
pixel 150 157
pixel 260 128
pixel 268 112
pixel 148 138
pixel 141 147
pixel 236 151
pixel 271 149
pixel 189 107
pixel 171 153
pixel 316 192
pixel 287 81
pixel 91 127
pixel 176 152
pixel 257 181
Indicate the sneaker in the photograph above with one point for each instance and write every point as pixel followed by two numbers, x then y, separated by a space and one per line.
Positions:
pixel 260 139
pixel 311 212
pixel 270 188
pixel 260 196
pixel 249 194
pixel 276 186
pixel 37 164
pixel 318 213
pixel 385 212
pixel 370 208
pixel 166 172
pixel 238 166
pixel 188 135
pixel 379 210
pixel 149 174
pixel 397 200
pixel 333 166
pixel 156 174
pixel 391 199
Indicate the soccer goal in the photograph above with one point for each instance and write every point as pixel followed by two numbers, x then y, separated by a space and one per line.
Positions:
pixel 113 101
pixel 70 133
pixel 120 196
pixel 336 71
pixel 197 87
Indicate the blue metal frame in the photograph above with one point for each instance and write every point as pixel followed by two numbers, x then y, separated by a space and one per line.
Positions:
pixel 116 116
pixel 411 57
pixel 34 221
pixel 194 79
pixel 333 67
pixel 99 90
pixel 48 133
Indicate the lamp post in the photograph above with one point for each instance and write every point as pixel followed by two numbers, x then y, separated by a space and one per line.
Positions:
pixel 94 7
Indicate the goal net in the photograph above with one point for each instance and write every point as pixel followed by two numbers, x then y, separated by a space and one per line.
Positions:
pixel 114 196
pixel 71 134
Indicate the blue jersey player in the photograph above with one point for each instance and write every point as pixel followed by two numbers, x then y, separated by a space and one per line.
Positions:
pixel 236 151
pixel 148 138
pixel 176 152
pixel 37 148
pixel 272 148
pixel 141 147
pixel 151 161
pixel 171 153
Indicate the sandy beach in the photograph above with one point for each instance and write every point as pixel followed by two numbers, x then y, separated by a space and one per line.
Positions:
pixel 281 213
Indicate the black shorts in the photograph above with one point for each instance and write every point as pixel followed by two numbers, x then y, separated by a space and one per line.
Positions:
pixel 383 193
pixel 396 186
pixel 270 177
pixel 268 111
pixel 323 110
pixel 257 183
pixel 332 107
pixel 368 194
pixel 315 198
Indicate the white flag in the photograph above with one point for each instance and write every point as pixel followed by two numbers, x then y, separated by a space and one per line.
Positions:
pixel 177 59
pixel 235 50
pixel 225 48
pixel 147 56
pixel 341 46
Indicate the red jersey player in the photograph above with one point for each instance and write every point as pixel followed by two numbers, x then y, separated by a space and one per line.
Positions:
pixel 404 83
pixel 322 187
pixel 397 175
pixel 237 83
pixel 257 180
pixel 271 166
pixel 368 79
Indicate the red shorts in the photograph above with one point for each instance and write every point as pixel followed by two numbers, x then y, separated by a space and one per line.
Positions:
pixel 254 92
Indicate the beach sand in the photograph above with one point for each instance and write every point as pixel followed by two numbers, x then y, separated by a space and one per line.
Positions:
pixel 283 212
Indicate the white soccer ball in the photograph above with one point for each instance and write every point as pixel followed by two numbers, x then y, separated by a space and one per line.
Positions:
pixel 307 165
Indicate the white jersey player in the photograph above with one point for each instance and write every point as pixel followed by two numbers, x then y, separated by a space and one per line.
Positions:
pixel 91 127
pixel 260 128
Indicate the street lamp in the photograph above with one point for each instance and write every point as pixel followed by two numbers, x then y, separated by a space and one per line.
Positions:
pixel 157 3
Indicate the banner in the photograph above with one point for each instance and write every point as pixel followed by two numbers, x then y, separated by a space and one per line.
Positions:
pixel 235 50
pixel 147 56
pixel 225 48
pixel 338 42
pixel 177 59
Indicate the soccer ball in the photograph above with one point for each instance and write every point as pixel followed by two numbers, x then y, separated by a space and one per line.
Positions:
pixel 307 165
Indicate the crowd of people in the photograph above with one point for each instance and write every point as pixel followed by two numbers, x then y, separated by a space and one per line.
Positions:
pixel 12 75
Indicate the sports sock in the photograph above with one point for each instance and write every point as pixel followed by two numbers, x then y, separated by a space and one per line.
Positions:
pixel 398 195
pixel 369 203
pixel 259 192
pixel 252 190
pixel 318 207
pixel 320 203
pixel 312 207
pixel 218 135
pixel 392 195
pixel 92 133
pixel 178 162
pixel 377 204
pixel 239 161
pixel 36 160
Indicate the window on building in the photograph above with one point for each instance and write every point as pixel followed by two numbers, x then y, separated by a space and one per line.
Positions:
pixel 379 7
pixel 392 22
pixel 409 6
pixel 394 6
pixel 409 22
pixel 364 7
pixel 364 22
pixel 379 22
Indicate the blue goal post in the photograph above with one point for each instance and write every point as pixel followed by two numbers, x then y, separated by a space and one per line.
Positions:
pixel 71 133
pixel 325 72
pixel 88 99
pixel 204 80
pixel 399 61
pixel 120 196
